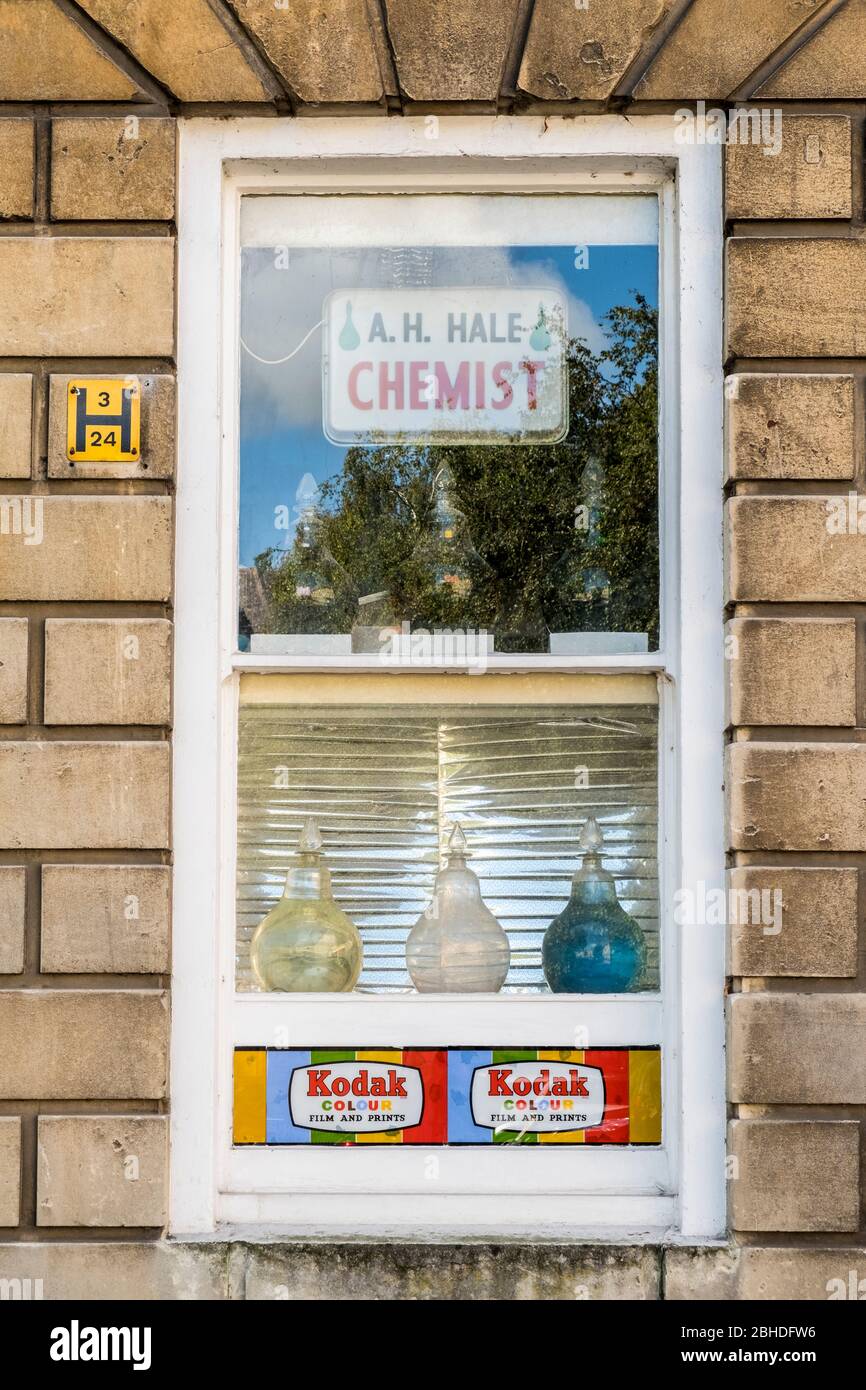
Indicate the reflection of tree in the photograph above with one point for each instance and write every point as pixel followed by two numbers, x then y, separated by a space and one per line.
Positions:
pixel 535 525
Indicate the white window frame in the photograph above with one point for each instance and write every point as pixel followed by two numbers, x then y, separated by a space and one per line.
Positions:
pixel 677 1190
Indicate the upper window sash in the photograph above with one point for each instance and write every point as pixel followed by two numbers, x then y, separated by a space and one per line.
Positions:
pixel 270 194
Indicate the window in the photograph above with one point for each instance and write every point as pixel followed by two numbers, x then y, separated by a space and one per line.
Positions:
pixel 449 422
pixel 457 529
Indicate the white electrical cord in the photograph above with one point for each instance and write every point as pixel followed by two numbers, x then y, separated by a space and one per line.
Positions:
pixel 278 361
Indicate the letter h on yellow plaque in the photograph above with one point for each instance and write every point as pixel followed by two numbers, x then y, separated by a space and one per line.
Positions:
pixel 103 421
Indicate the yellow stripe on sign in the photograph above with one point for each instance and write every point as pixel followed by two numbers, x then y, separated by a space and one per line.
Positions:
pixel 371 1137
pixel 250 1097
pixel 645 1096
pixel 574 1136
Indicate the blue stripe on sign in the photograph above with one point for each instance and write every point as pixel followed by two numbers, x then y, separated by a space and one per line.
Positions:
pixel 280 1129
pixel 462 1129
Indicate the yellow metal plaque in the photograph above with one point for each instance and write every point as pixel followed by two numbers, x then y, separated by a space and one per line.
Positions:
pixel 103 420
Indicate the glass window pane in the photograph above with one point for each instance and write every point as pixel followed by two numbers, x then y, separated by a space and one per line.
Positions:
pixel 449 423
pixel 387 783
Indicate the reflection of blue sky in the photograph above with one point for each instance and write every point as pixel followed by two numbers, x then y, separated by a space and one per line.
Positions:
pixel 281 406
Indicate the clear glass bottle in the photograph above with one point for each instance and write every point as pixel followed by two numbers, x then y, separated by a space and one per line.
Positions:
pixel 593 946
pixel 314 566
pixel 306 944
pixel 596 583
pixel 580 592
pixel 312 585
pixel 446 556
pixel 457 946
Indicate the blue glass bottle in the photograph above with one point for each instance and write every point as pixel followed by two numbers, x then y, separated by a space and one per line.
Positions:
pixel 593 946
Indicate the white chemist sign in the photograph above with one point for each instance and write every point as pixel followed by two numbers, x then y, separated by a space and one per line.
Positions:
pixel 439 366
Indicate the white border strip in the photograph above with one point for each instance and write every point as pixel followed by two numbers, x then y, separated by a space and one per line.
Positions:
pixel 577 219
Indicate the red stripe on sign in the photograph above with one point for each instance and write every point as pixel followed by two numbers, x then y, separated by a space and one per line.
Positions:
pixel 614 1127
pixel 433 1066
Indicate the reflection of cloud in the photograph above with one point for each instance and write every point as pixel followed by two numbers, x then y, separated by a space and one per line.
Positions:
pixel 280 306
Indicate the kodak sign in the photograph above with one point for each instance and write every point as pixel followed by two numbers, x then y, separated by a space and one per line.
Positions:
pixel 543 1096
pixel 447 1095
pixel 356 1096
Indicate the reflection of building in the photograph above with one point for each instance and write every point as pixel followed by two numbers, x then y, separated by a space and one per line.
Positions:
pixel 253 605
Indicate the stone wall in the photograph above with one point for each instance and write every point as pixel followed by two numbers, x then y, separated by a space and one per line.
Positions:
pixel 86 289
pixel 795 774
pixel 89 93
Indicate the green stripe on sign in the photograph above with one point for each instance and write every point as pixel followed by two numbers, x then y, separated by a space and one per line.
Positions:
pixel 317 1057
pixel 514 1054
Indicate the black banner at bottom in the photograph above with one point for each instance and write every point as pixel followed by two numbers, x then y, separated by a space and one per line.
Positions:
pixel 221 1338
